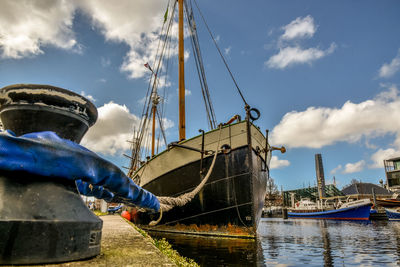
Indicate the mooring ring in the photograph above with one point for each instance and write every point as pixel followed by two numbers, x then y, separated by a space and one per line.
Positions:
pixel 257 115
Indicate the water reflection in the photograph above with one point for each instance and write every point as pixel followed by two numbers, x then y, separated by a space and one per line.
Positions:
pixel 328 261
pixel 212 251
pixel 298 243
pixel 396 229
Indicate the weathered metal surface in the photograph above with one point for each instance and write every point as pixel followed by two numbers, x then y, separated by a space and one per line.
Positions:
pixel 27 108
pixel 42 222
pixel 43 219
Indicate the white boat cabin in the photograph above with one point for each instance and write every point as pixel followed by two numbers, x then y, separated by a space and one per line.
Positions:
pixel 305 204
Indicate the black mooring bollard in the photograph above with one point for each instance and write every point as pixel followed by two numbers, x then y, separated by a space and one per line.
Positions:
pixel 44 220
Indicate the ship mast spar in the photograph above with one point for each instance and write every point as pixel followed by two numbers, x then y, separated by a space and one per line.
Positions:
pixel 182 130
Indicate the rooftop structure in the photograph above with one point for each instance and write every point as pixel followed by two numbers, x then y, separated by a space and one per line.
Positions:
pixel 364 190
pixel 392 170
pixel 311 192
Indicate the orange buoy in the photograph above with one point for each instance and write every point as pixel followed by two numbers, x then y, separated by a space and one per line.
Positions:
pixel 126 215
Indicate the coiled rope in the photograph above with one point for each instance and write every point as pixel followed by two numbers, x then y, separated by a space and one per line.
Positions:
pixel 167 203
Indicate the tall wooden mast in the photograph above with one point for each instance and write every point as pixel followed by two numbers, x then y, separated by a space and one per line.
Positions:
pixel 182 130
pixel 153 134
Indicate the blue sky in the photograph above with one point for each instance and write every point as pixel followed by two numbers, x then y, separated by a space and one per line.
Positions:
pixel 324 74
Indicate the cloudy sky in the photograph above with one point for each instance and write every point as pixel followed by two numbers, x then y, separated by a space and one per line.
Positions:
pixel 324 74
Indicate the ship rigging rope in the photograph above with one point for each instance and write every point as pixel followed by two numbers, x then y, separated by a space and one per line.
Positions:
pixel 155 61
pixel 161 126
pixel 220 53
pixel 200 66
pixel 167 203
pixel 145 113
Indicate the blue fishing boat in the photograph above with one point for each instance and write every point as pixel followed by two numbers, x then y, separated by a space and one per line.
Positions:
pixel 358 210
pixel 393 214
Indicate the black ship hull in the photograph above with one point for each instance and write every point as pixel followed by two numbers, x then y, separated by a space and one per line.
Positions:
pixel 234 194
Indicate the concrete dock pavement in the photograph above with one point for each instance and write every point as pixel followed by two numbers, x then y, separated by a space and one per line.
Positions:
pixel 123 245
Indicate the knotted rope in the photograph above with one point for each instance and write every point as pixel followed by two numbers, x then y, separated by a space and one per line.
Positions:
pixel 167 203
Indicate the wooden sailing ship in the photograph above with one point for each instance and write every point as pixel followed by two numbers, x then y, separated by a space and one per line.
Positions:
pixel 235 191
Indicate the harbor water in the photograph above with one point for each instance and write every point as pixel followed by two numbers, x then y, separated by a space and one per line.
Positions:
pixel 298 242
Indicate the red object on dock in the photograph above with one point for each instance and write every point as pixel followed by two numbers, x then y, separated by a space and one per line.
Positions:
pixel 134 215
pixel 126 215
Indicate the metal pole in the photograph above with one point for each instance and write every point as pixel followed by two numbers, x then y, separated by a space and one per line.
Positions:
pixel 374 197
pixel 182 126
pixel 153 133
pixel 202 153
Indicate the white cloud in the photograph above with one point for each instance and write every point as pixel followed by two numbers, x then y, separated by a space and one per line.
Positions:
pixel 321 126
pixel 113 128
pixel 337 169
pixel 127 21
pixel 186 55
pixel 105 62
pixel 135 23
pixel 26 26
pixel 289 56
pixel 163 81
pixel 369 145
pixel 90 97
pixel 354 167
pixel 389 69
pixel 382 154
pixel 187 92
pixel 290 52
pixel 277 163
pixel 227 50
pixel 299 28
pixel 167 123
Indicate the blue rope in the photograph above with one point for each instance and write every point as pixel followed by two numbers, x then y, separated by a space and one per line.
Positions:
pixel 94 191
pixel 46 154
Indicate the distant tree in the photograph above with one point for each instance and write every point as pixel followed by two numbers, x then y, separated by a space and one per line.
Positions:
pixel 272 188
pixel 354 181
pixel 273 196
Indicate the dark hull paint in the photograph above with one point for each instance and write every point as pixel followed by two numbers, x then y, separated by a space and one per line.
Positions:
pixel 233 195
pixel 388 202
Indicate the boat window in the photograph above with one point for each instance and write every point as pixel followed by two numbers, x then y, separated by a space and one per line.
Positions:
pixel 393 178
pixel 396 165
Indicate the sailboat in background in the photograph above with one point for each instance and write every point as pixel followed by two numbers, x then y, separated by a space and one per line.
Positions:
pixel 235 190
